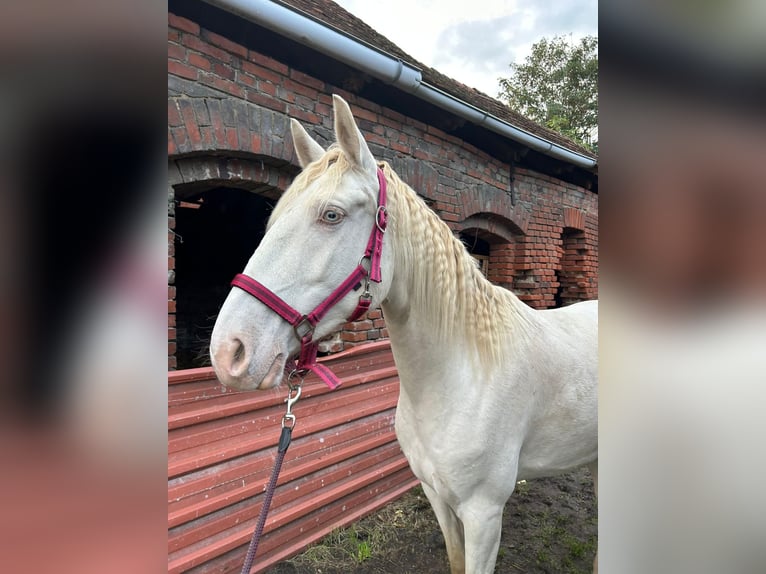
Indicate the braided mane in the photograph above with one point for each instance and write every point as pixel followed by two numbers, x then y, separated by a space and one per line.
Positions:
pixel 444 281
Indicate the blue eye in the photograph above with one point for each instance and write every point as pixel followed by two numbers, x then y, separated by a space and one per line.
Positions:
pixel 332 215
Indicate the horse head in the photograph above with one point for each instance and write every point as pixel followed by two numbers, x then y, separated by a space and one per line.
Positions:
pixel 314 239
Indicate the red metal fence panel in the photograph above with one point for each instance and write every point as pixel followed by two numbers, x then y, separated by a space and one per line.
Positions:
pixel 344 461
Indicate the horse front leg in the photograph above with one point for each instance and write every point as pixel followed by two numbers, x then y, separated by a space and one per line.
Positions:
pixel 483 522
pixel 452 529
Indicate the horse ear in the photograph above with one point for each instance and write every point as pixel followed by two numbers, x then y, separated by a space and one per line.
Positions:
pixel 350 138
pixel 306 148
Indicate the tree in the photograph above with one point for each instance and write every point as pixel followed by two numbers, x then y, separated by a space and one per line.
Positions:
pixel 557 86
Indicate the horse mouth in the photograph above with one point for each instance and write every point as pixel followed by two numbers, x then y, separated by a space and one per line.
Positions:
pixel 274 375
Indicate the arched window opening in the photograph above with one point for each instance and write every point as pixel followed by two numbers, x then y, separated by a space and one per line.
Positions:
pixel 570 274
pixel 494 254
pixel 478 248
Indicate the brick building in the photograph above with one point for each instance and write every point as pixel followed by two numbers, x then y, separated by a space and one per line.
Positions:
pixel 522 198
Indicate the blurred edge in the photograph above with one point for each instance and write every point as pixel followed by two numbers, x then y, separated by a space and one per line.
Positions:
pixel 82 286
pixel 682 374
pixel 683 287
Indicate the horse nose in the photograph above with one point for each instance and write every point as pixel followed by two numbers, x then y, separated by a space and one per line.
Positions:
pixel 230 359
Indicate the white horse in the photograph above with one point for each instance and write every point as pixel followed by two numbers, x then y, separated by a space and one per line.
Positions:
pixel 492 391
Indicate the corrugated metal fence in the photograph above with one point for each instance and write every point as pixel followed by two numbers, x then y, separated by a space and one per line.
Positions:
pixel 344 461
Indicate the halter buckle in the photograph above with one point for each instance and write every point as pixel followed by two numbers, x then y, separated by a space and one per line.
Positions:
pixel 304 322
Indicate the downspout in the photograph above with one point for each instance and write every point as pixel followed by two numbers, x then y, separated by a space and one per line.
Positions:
pixel 387 68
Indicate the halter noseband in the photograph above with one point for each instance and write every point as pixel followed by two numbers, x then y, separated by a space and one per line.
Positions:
pixel 304 325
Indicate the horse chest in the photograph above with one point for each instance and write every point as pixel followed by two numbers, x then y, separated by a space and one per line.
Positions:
pixel 453 451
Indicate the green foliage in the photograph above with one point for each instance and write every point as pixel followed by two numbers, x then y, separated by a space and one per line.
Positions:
pixel 557 86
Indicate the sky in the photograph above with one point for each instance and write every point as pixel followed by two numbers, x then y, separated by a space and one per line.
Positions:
pixel 475 41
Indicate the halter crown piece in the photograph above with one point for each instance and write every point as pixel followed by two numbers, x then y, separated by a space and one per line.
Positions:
pixel 304 325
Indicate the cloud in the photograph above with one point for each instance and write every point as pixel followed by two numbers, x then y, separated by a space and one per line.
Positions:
pixel 482 42
pixel 475 42
pixel 578 17
pixel 474 50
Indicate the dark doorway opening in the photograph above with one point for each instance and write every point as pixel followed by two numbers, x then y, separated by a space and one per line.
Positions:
pixel 217 232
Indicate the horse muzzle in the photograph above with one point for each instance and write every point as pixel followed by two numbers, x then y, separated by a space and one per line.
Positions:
pixel 236 367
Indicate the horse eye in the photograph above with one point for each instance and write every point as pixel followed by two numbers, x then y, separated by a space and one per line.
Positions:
pixel 332 216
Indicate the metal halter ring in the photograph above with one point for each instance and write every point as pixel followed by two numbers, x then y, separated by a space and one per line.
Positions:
pixel 298 374
pixel 368 267
pixel 381 225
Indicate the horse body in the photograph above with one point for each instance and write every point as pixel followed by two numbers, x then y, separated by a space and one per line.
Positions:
pixel 469 436
pixel 491 390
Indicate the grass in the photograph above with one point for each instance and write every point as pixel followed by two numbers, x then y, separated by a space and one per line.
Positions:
pixel 553 533
pixel 345 548
pixel 341 548
pixel 406 532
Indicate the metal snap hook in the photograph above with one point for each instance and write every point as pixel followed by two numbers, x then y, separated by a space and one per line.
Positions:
pixel 293 395
pixel 366 295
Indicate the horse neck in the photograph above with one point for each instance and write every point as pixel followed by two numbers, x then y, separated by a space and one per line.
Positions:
pixel 440 307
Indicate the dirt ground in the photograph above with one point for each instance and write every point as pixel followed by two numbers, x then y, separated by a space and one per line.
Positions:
pixel 549 526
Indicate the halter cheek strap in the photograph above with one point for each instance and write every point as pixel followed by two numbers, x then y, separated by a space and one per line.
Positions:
pixel 304 325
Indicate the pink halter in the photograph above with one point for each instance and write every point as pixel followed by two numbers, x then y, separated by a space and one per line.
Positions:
pixel 304 325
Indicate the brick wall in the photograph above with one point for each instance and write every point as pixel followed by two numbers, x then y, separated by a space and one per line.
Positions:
pixel 225 99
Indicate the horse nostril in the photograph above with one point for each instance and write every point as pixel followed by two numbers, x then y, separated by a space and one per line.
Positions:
pixel 231 358
pixel 239 354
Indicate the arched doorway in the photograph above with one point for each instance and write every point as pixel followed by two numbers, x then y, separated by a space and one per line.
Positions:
pixel 217 231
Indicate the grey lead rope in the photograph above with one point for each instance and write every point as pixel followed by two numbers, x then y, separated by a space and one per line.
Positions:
pixel 284 442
